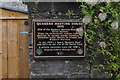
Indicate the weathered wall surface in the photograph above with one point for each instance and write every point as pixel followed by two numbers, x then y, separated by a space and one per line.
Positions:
pixel 71 68
pixel 56 68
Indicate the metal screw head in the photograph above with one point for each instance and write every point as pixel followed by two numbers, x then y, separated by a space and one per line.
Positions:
pixel 39 51
pixel 80 51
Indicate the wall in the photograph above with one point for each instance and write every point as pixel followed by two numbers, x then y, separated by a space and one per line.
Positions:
pixel 65 68
pixel 71 68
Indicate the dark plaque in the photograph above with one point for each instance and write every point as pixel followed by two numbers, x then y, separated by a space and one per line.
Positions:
pixel 58 38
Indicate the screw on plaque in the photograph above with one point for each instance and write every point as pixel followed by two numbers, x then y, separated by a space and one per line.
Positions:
pixel 79 51
pixel 39 51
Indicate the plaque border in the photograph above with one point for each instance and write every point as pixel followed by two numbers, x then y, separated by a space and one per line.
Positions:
pixel 55 57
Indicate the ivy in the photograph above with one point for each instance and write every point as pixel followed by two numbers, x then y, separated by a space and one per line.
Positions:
pixel 70 13
pixel 103 32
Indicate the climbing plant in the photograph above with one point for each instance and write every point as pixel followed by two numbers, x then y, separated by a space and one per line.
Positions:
pixel 103 34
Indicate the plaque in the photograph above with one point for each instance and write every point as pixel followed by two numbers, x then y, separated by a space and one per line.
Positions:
pixel 58 38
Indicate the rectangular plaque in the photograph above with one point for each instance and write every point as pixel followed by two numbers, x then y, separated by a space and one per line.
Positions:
pixel 58 38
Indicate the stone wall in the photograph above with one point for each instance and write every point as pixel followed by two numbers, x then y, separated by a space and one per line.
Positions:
pixel 65 68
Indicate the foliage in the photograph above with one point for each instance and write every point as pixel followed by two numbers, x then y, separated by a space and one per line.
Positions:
pixel 101 31
pixel 69 13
